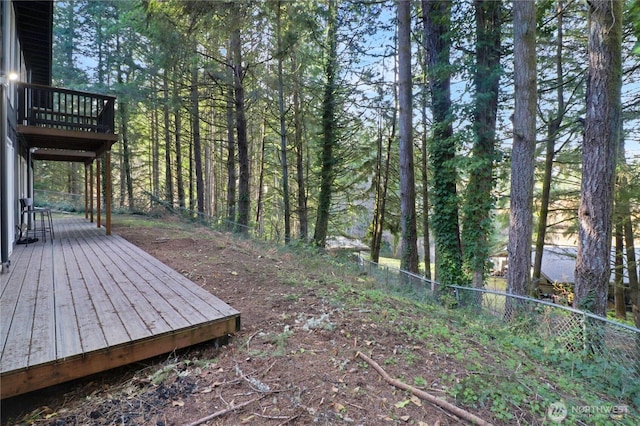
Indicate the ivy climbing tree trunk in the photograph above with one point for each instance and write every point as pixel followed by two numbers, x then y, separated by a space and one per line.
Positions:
pixel 478 223
pixel 522 155
pixel 601 138
pixel 442 148
pixel 408 247
pixel 329 130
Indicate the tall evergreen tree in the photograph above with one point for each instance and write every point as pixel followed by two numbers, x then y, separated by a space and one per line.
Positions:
pixel 522 154
pixel 479 200
pixel 283 130
pixel 244 195
pixel 408 246
pixel 329 130
pixel 436 15
pixel 601 139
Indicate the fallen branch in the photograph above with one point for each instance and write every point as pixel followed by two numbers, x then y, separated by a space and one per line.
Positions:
pixel 424 395
pixel 223 412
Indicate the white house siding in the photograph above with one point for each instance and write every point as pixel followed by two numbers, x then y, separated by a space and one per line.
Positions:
pixel 12 164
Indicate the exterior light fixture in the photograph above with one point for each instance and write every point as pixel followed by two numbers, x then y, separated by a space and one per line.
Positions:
pixel 6 79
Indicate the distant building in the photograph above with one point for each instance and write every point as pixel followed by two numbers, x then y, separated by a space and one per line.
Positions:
pixel 558 267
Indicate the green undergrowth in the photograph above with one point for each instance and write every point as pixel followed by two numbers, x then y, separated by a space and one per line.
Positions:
pixel 179 228
pixel 517 377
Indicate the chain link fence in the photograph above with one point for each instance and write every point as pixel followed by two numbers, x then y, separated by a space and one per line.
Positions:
pixel 610 349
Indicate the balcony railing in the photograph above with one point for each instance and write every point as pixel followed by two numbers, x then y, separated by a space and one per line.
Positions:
pixel 64 109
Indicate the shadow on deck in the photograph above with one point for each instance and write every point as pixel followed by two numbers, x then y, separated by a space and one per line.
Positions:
pixel 86 302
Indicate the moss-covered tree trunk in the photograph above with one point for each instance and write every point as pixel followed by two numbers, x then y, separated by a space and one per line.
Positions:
pixel 477 220
pixel 329 136
pixel 442 147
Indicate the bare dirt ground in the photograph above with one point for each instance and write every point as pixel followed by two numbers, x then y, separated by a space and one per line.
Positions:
pixel 293 362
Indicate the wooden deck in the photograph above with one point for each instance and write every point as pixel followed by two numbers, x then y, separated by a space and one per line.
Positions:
pixel 86 302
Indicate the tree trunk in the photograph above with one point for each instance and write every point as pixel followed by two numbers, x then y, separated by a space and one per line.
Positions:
pixel 478 223
pixel 259 203
pixel 126 152
pixel 299 144
pixel 408 247
pixel 122 178
pixel 177 117
pixel 209 183
pixel 155 149
pixel 124 134
pixel 383 180
pixel 191 197
pixel 384 189
pixel 231 145
pixel 197 145
pixel 618 280
pixel 522 156
pixel 73 179
pixel 424 102
pixel 632 267
pixel 426 241
pixel 442 148
pixel 168 174
pixel 329 130
pixel 374 249
pixel 553 127
pixel 244 194
pixel 283 131
pixel 601 138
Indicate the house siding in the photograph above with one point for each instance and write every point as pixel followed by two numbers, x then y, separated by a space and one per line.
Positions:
pixel 14 170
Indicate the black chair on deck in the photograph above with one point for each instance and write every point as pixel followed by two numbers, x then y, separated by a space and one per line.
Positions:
pixel 46 223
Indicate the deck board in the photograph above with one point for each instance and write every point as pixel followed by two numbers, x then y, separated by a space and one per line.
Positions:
pixel 21 324
pixel 43 337
pixel 86 302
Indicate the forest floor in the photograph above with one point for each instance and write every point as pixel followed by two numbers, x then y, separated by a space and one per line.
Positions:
pixel 304 318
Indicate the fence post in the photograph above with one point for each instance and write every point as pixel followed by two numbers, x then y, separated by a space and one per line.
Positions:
pixel 585 338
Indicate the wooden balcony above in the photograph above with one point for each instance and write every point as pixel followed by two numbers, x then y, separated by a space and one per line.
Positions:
pixel 54 120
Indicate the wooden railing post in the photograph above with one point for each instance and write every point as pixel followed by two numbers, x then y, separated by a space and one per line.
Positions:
pixel 99 193
pixel 91 191
pixel 86 192
pixel 107 189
